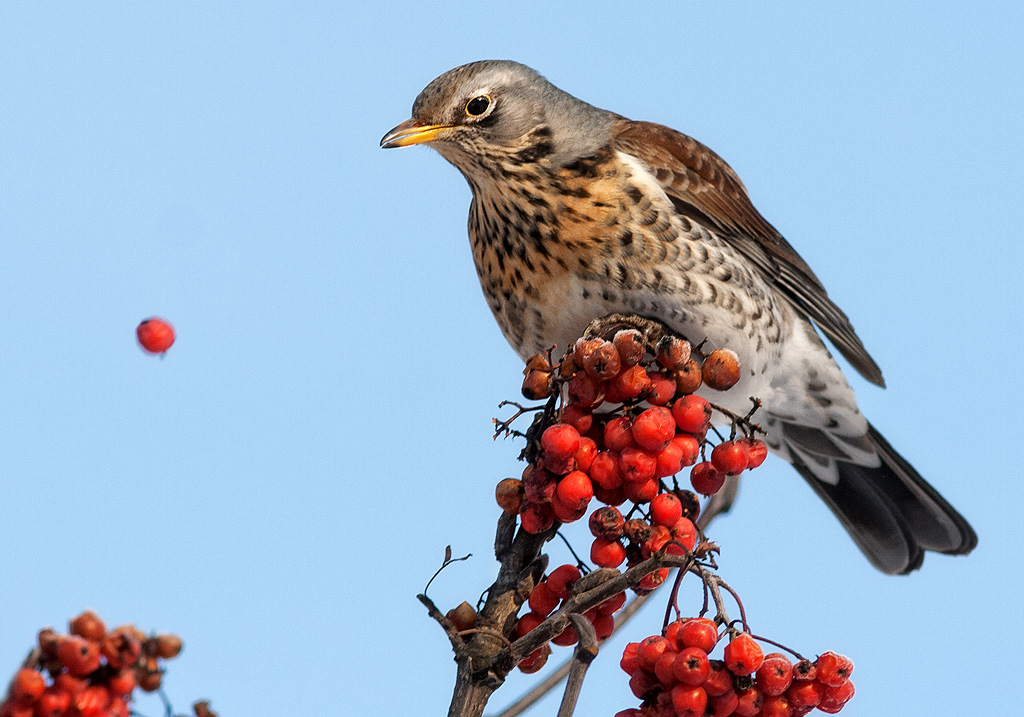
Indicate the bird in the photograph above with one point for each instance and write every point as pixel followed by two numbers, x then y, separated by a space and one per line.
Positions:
pixel 578 212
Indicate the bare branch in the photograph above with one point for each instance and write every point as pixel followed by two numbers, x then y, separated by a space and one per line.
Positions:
pixel 583 655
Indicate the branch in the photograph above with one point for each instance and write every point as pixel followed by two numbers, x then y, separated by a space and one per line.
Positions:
pixel 586 651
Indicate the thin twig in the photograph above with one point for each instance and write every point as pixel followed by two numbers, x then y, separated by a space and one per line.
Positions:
pixel 449 629
pixel 583 655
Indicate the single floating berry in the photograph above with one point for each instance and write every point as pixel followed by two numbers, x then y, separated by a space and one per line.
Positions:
pixel 155 335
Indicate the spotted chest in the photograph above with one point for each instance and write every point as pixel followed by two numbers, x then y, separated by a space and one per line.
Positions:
pixel 556 247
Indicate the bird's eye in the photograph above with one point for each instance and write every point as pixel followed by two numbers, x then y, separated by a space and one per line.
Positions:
pixel 478 105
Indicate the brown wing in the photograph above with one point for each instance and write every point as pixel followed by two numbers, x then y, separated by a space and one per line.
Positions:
pixel 706 189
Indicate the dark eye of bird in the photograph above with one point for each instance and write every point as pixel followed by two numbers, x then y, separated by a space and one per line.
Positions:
pixel 478 105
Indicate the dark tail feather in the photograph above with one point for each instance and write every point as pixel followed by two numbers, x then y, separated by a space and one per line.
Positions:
pixel 891 512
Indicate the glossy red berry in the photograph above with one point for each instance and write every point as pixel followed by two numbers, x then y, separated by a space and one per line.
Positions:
pixel 719 679
pixel 542 600
pixel 637 465
pixel 575 490
pixel 612 605
pixel 729 457
pixel 630 384
pixel 698 632
pixel 561 579
pixel 706 479
pixel 803 694
pixel 92 702
pixel 585 454
pixel 748 702
pixel 652 648
pixel 579 418
pixel 641 491
pixel 528 622
pixel 757 451
pixel 560 441
pixel 834 697
pixel 630 661
pixel 691 666
pixel 661 390
pixel 78 655
pixel 654 428
pixel 743 655
pixel 775 706
pixel 724 704
pixel 155 335
pixel 689 701
pixel 666 510
pixel 618 434
pixel 692 414
pixel 607 553
pixel 54 702
pixel 606 471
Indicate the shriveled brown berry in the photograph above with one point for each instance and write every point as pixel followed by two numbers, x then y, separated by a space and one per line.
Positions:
pixel 688 377
pixel 537 385
pixel 202 709
pixel 603 362
pixel 463 616
pixel 721 370
pixel 509 493
pixel 88 625
pixel 630 344
pixel 672 353
pixel 567 366
pixel 167 646
pixel 537 362
pixel 149 680
pixel 120 648
pixel 48 639
pixel 637 530
pixel 607 523
pixel 691 503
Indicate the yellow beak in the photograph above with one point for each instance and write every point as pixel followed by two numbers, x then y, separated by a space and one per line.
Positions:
pixel 412 132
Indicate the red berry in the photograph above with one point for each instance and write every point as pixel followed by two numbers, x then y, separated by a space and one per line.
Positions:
pixel 122 683
pixel 685 532
pixel 69 683
pixel 669 460
pixel 706 479
pixel 724 704
pixel 575 490
pixel 579 418
pixel 630 661
pixel 729 457
pixel 607 553
pixel 654 428
pixel 561 580
pixel 121 648
pixel 689 445
pixel 642 682
pixel 742 655
pixel 834 669
pixel 637 465
pixel 653 580
pixel 805 670
pixel 536 518
pixel 612 605
pixel 719 680
pixel 663 668
pixel 805 694
pixel 651 648
pixel 92 702
pixel 659 535
pixel 672 352
pixel 155 335
pixel 539 485
pixel 618 434
pixel 630 384
pixel 661 390
pixel 692 414
pixel 757 451
pixel 527 623
pixel 585 454
pixel 606 471
pixel 54 702
pixel 604 625
pixel 27 685
pixel 542 600
pixel 775 706
pixel 748 702
pixel 641 492
pixel 691 666
pixel 88 625
pixel 612 496
pixel 774 675
pixel 666 510
pixel 560 441
pixel 689 701
pixel 834 697
pixel 566 637
pixel 698 632
pixel 78 655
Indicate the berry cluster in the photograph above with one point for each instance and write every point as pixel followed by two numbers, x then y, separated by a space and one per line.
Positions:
pixel 90 672
pixel 675 677
pixel 546 597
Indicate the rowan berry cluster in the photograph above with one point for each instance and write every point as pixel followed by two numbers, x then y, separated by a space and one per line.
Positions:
pixel 675 676
pixel 89 672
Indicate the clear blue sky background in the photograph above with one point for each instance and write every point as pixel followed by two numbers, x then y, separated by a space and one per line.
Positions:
pixel 279 488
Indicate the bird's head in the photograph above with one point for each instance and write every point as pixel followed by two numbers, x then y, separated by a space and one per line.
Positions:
pixel 486 113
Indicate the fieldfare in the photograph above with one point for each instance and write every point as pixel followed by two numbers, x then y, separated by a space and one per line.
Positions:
pixel 578 213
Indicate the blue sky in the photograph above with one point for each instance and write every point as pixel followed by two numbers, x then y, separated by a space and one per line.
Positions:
pixel 279 488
